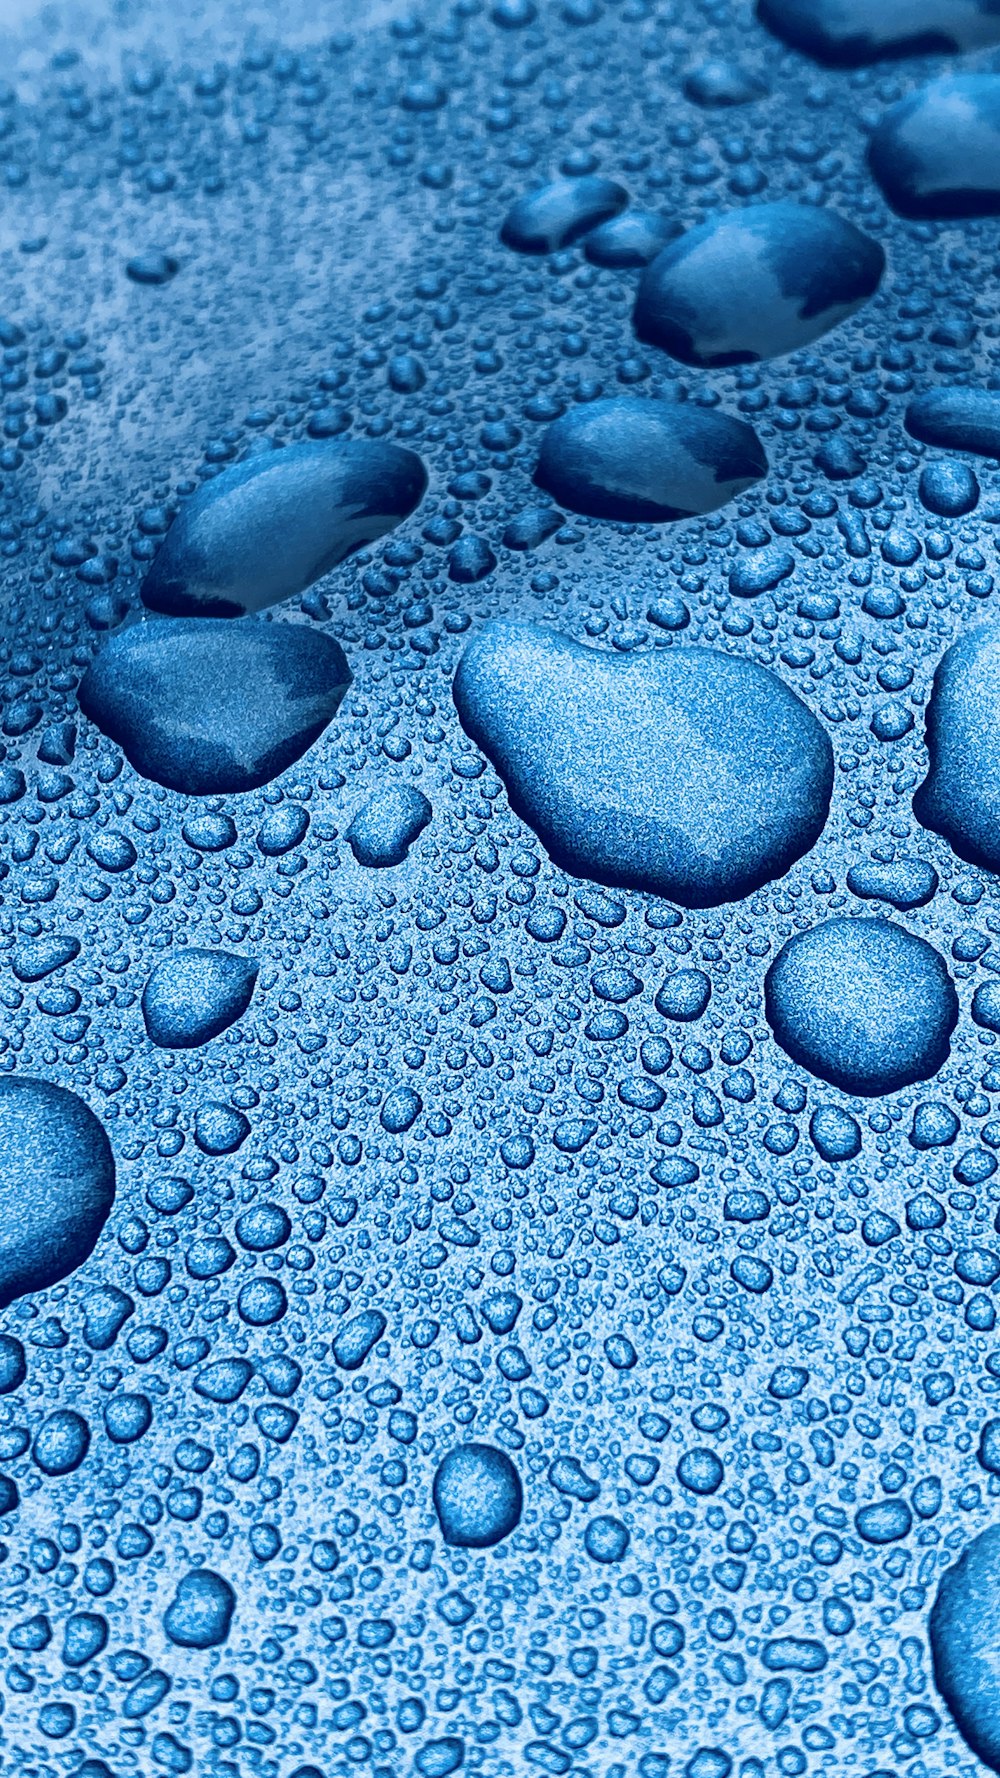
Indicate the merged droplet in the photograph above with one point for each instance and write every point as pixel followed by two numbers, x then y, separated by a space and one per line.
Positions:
pixel 756 283
pixel 477 1496
pixel 647 460
pixel 557 214
pixel 849 33
pixel 960 796
pixel 195 994
pixel 57 1185
pixel 863 1004
pixel 690 773
pixel 937 153
pixel 965 1646
pixel 267 528
pixel 208 705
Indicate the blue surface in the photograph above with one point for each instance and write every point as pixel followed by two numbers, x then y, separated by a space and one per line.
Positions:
pixel 567 892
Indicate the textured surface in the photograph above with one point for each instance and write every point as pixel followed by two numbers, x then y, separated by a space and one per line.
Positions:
pixel 498 1157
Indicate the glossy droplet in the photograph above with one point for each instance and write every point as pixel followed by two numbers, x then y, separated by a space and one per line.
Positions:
pixel 647 460
pixel 964 1645
pixel 958 419
pixel 849 33
pixel 383 831
pixel 960 797
pixel 57 1185
pixel 863 1004
pixel 477 1496
pixel 756 283
pixel 201 1611
pixel 937 153
pixel 195 994
pixel 267 528
pixel 557 214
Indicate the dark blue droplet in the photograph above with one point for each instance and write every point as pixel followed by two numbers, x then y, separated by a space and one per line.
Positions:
pixel 690 773
pixel 195 994
pixel 203 705
pixel 632 239
pixel 960 797
pixel 959 419
pixel 61 1442
pixel 606 1539
pixel 201 1611
pixel 849 33
pixel 57 1185
pixel 718 84
pixel 937 153
pixel 962 1631
pixel 835 1134
pixel 558 214
pixel 906 882
pixel 652 461
pixel 756 283
pixel 356 1338
pixel 477 1496
pixel 949 490
pixel 884 1521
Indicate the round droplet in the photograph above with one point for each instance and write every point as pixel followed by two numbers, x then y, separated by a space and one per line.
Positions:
pixel 477 1496
pixel 863 1004
pixel 57 1184
pixel 201 1610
